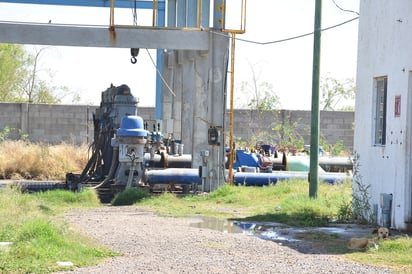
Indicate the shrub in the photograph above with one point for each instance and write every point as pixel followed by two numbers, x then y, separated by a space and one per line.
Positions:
pixel 129 196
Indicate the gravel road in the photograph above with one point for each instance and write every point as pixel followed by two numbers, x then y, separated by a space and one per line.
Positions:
pixel 152 244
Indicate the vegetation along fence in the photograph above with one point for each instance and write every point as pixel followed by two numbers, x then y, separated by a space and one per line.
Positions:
pixel 74 124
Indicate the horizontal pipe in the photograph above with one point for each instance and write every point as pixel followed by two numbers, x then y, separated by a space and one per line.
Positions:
pixel 254 179
pixel 191 175
pixel 336 163
pixel 173 175
pixel 170 161
pixel 293 163
pixel 262 179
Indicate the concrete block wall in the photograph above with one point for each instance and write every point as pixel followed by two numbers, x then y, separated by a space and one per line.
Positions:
pixel 74 123
pixel 53 123
pixel 338 125
pixel 334 125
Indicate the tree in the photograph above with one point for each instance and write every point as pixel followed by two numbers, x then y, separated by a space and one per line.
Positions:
pixel 335 93
pixel 287 135
pixel 27 83
pixel 260 95
pixel 35 89
pixel 264 98
pixel 11 63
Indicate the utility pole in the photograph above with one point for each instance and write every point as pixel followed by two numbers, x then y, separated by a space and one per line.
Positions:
pixel 315 114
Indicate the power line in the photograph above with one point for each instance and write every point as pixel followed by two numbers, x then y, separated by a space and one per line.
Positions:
pixel 344 9
pixel 293 37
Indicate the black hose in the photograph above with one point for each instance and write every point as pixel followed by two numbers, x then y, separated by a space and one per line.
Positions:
pixel 113 168
pixel 92 161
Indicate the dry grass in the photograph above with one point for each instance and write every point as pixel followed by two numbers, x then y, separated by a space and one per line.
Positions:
pixel 20 159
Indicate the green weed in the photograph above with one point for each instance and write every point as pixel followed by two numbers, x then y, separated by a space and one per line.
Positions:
pixel 129 196
pixel 287 202
pixel 39 237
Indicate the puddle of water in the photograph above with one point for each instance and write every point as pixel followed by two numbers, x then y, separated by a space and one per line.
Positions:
pixel 276 231
pixel 225 226
pixel 268 231
pixel 346 231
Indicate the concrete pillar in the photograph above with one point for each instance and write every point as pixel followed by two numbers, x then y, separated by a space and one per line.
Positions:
pixel 168 95
pixel 219 45
pixel 201 111
pixel 198 80
pixel 189 93
pixel 177 100
pixel 24 118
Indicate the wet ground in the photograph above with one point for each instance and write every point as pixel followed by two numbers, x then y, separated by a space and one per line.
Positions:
pixel 330 239
pixel 278 231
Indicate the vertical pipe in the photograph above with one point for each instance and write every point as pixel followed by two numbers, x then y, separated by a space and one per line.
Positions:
pixel 231 116
pixel 155 13
pixel 315 114
pixel 243 16
pixel 199 14
pixel 111 13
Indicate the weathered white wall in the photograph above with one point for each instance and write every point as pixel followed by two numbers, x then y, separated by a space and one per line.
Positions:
pixel 384 49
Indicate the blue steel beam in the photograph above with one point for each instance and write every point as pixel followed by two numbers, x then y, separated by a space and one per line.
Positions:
pixel 181 13
pixel 205 13
pixel 171 13
pixel 141 4
pixel 191 13
pixel 219 14
pixel 160 68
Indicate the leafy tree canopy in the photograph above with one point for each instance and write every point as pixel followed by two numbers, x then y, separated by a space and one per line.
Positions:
pixel 337 94
pixel 22 79
pixel 259 94
pixel 12 58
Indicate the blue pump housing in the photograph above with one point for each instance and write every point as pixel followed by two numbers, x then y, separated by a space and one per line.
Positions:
pixel 132 126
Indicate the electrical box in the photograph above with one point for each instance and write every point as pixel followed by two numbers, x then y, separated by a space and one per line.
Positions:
pixel 386 209
pixel 213 136
pixel 203 171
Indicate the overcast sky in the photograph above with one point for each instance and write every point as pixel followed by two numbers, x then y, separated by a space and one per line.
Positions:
pixel 286 65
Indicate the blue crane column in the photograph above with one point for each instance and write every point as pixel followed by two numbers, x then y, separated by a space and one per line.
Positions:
pixel 159 65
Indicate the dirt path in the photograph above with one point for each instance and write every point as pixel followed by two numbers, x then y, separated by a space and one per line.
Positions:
pixel 152 244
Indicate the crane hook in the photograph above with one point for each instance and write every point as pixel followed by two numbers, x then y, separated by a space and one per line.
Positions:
pixel 134 52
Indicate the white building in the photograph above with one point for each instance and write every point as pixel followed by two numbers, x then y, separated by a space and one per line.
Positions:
pixel 383 116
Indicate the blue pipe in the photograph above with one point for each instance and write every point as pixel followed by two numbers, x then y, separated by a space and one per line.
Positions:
pixel 264 179
pixel 173 175
pixel 254 179
pixel 191 176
